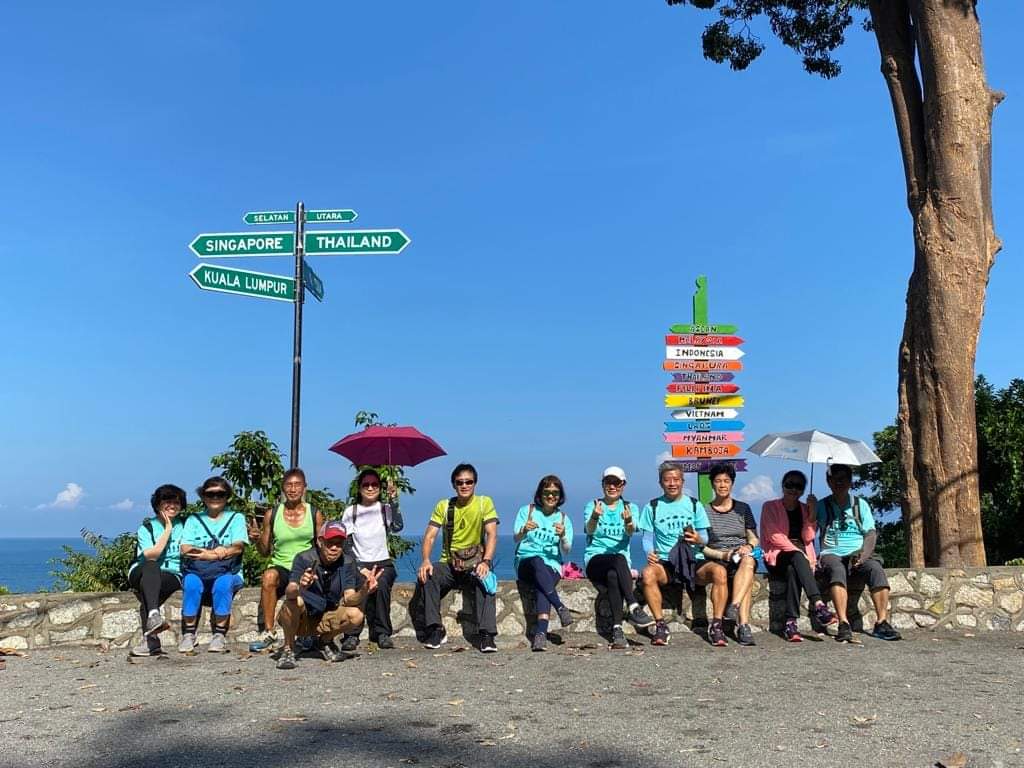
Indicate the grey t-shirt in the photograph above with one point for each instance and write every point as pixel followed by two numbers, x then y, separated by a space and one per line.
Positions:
pixel 729 529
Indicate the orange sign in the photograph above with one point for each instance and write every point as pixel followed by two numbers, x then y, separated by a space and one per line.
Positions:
pixel 687 451
pixel 702 365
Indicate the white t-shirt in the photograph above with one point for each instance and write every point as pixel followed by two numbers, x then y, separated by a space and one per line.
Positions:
pixel 365 527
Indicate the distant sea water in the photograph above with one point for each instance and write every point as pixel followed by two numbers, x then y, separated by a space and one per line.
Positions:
pixel 25 563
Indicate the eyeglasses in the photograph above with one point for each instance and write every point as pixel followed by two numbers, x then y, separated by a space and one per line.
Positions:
pixel 550 494
pixel 215 495
pixel 464 483
pixel 792 487
pixel 333 543
pixel 370 486
pixel 612 482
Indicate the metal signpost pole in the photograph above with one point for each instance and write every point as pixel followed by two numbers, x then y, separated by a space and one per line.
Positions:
pixel 300 292
pixel 700 317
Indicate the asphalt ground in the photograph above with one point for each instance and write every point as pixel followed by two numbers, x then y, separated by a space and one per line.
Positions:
pixel 917 702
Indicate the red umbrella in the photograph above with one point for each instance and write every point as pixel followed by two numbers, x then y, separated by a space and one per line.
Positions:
pixel 391 446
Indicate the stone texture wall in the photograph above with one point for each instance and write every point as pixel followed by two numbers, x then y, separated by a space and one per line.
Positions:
pixel 990 599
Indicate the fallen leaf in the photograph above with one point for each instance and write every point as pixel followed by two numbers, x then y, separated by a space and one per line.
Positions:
pixel 387 674
pixel 456 702
pixel 458 649
pixel 863 722
pixel 411 664
pixel 86 687
pixel 640 684
pixel 956 760
pixel 10 652
pixel 99 709
pixel 487 742
pixel 293 719
pixel 131 707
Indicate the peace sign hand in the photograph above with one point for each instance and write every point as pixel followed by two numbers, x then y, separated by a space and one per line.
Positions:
pixel 371 577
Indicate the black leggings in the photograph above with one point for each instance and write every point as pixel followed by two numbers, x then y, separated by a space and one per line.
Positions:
pixel 796 569
pixel 538 574
pixel 612 572
pixel 153 585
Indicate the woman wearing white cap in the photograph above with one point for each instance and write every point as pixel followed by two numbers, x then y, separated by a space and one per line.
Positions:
pixel 610 524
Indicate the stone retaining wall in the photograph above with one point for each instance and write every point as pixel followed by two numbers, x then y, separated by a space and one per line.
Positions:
pixel 990 599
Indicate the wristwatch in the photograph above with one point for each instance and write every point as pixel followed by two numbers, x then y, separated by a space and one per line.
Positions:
pixel 488 561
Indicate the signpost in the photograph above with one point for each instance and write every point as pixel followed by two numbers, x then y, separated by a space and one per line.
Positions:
pixel 703 425
pixel 704 437
pixel 298 245
pixel 703 465
pixel 701 388
pixel 702 451
pixel 702 340
pixel 705 413
pixel 210 277
pixel 675 401
pixel 703 353
pixel 708 376
pixel 702 365
pixel 702 327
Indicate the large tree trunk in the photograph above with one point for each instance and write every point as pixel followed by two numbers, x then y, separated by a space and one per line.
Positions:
pixel 944 122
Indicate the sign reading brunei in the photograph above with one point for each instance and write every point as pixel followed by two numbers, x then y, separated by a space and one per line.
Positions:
pixel 210 277
pixel 710 401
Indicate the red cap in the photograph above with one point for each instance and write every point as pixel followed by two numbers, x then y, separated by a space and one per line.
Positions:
pixel 333 529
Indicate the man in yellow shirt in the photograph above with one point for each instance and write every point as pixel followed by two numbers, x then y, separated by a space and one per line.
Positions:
pixel 469 526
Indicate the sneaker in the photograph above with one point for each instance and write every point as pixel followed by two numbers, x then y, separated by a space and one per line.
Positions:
pixel 885 631
pixel 539 642
pixel 844 634
pixel 487 643
pixel 188 643
pixel 716 635
pixel 385 643
pixel 329 652
pixel 155 623
pixel 745 635
pixel 639 618
pixel 565 616
pixel 436 638
pixel 661 634
pixel 618 639
pixel 791 633
pixel 306 643
pixel 350 643
pixel 286 660
pixel 266 643
pixel 218 643
pixel 150 646
pixel 732 612
pixel 823 615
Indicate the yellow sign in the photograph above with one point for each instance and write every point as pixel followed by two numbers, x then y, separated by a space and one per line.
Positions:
pixel 707 401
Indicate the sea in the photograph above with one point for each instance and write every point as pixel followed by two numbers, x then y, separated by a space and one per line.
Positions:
pixel 25 563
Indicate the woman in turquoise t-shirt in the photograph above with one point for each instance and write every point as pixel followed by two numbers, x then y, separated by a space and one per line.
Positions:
pixel 156 573
pixel 610 523
pixel 543 536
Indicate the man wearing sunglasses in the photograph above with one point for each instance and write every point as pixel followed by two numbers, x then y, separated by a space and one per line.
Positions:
pixel 469 526
pixel 324 595
pixel 847 538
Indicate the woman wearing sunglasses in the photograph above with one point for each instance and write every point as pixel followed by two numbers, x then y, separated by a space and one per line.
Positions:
pixel 368 523
pixel 543 535
pixel 211 559
pixel 610 524
pixel 788 528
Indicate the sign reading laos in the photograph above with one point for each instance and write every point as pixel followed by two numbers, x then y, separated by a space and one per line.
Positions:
pixel 339 216
pixel 320 243
pixel 210 277
pixel 703 425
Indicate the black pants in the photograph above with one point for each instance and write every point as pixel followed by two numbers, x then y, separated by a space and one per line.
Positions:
pixel 377 610
pixel 444 580
pixel 153 586
pixel 539 575
pixel 798 573
pixel 612 572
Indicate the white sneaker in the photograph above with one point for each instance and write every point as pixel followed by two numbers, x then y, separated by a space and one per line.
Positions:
pixel 218 644
pixel 188 643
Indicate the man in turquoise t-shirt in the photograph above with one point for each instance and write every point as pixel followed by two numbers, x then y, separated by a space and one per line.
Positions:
pixel 666 520
pixel 847 538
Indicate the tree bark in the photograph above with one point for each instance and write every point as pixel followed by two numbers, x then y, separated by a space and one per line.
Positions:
pixel 944 121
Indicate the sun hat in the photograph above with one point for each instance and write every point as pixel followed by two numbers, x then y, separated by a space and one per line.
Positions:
pixel 618 472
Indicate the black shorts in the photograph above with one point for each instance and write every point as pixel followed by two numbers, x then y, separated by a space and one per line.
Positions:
pixel 670 571
pixel 283 574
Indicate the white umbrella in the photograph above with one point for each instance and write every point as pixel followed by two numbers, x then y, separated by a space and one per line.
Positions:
pixel 814 446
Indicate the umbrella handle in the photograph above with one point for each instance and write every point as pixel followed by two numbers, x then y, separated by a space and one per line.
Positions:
pixel 812 477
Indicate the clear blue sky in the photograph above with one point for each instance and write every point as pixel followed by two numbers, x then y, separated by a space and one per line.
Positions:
pixel 563 176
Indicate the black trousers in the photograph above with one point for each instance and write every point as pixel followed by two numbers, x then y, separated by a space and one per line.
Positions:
pixel 612 572
pixel 153 586
pixel 377 610
pixel 798 573
pixel 444 580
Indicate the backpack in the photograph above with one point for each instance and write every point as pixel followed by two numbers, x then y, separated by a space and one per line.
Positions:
pixel 831 508
pixel 654 508
pixel 460 560
pixel 211 569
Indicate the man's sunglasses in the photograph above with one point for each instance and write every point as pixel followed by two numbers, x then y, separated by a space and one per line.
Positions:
pixel 216 495
pixel 462 483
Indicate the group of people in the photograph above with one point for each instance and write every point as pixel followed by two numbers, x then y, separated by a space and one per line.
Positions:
pixel 333 576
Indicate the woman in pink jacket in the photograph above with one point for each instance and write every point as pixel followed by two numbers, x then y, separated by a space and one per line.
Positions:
pixel 787 538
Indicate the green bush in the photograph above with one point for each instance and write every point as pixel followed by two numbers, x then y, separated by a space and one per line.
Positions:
pixel 1015 561
pixel 103 570
pixel 4 590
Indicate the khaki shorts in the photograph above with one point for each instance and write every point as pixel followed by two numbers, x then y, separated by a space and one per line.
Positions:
pixel 330 623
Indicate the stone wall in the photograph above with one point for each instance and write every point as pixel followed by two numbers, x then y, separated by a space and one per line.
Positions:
pixel 990 599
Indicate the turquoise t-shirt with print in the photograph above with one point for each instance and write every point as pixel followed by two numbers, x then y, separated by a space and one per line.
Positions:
pixel 842 537
pixel 542 541
pixel 609 537
pixel 670 520
pixel 170 558
pixel 197 536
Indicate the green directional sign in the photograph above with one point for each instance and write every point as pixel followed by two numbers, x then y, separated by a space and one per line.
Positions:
pixel 210 277
pixel 312 281
pixel 230 244
pixel 356 241
pixel 329 216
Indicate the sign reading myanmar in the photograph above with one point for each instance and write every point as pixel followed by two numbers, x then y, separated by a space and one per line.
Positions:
pixel 703 437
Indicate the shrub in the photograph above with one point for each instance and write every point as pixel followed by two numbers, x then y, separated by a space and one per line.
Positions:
pixel 104 570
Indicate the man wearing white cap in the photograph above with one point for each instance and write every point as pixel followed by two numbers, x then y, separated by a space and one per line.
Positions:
pixel 610 524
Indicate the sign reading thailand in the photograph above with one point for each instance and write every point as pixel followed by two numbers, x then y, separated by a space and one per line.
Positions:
pixel 703 376
pixel 358 242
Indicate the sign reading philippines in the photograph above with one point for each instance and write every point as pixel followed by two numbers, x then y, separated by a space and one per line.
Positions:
pixel 703 359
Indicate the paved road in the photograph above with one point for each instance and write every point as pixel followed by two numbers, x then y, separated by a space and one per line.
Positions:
pixel 823 704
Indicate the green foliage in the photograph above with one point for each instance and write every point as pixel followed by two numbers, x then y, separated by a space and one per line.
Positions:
pixel 254 467
pixel 814 29
pixel 4 590
pixel 103 570
pixel 1000 421
pixel 1015 561
pixel 892 545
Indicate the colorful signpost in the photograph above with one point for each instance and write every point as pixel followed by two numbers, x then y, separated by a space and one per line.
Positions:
pixel 298 245
pixel 703 358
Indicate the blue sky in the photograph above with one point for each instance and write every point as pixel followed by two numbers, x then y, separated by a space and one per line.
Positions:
pixel 563 176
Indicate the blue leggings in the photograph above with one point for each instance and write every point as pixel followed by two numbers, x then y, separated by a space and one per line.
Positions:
pixel 223 589
pixel 534 571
